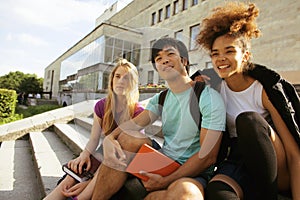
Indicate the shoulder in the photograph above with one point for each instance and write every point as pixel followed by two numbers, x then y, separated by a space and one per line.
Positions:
pixel 101 102
pixel 211 98
pixel 209 92
pixel 138 109
pixel 99 107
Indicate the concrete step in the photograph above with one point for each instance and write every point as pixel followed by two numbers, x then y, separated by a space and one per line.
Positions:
pixel 85 122
pixel 17 171
pixel 73 135
pixel 54 147
pixel 49 153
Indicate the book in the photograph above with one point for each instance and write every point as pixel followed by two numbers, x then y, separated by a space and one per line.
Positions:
pixel 150 160
pixel 85 175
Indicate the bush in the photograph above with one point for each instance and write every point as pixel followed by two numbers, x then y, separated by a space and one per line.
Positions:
pixel 12 118
pixel 8 101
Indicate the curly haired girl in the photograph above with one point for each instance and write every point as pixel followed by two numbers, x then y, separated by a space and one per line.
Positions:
pixel 262 111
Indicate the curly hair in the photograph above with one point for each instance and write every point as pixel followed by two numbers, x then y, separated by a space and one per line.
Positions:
pixel 234 18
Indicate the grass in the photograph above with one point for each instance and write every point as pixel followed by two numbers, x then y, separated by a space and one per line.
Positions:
pixel 34 110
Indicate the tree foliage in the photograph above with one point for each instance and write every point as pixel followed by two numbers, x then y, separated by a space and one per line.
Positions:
pixel 20 82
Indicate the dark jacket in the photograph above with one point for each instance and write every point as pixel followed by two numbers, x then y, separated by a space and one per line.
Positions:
pixel 281 93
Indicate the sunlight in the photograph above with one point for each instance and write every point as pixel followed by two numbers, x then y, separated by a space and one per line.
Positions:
pixel 7 153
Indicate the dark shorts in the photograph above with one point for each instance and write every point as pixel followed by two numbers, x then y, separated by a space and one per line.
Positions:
pixel 238 172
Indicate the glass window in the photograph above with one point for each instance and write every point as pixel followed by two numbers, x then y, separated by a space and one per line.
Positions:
pixel 194 30
pixel 109 41
pixel 150 77
pixel 184 4
pixel 89 55
pixel 153 20
pixel 208 65
pixel 108 54
pixel 151 44
pixel 194 2
pixel 127 45
pixel 175 7
pixel 117 54
pixel 179 35
pixel 168 11
pixel 160 15
pixel 118 43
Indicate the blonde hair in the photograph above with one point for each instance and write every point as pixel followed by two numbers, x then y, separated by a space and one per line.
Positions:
pixel 234 19
pixel 131 95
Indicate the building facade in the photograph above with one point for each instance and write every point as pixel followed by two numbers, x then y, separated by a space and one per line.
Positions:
pixel 130 32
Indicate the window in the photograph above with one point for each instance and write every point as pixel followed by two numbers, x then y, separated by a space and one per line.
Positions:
pixel 184 4
pixel 151 44
pixel 150 77
pixel 175 7
pixel 160 15
pixel 194 30
pixel 153 20
pixel 179 35
pixel 194 2
pixel 208 65
pixel 117 48
pixel 168 11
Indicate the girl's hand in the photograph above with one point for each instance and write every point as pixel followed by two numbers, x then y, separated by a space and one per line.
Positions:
pixel 202 78
pixel 83 160
pixel 74 190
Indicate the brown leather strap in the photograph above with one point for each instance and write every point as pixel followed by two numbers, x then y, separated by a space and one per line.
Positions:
pixel 232 183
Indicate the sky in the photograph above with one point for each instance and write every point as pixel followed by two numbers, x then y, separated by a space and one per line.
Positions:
pixel 34 33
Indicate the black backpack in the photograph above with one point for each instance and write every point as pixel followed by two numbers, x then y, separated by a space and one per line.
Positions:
pixel 197 116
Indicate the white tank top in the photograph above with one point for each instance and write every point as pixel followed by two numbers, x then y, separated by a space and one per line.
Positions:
pixel 249 99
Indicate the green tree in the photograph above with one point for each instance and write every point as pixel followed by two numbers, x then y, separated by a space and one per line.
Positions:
pixel 31 84
pixel 20 82
pixel 12 80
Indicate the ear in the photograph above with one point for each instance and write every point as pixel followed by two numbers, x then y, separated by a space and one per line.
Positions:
pixel 246 56
pixel 184 61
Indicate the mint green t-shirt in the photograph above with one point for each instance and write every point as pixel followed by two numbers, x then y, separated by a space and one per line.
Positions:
pixel 181 134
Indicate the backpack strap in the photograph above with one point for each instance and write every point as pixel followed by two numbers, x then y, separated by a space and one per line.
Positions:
pixel 194 101
pixel 161 99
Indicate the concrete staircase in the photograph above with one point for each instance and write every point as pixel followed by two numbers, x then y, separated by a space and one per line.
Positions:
pixel 31 165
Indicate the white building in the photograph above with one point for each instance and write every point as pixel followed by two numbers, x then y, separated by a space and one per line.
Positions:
pixel 129 32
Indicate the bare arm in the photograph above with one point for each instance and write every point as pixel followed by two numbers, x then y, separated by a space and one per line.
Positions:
pixel 292 150
pixel 84 158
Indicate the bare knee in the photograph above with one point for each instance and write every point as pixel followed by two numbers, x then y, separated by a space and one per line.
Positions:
pixel 185 188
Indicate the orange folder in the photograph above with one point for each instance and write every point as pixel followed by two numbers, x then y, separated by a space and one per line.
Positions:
pixel 150 160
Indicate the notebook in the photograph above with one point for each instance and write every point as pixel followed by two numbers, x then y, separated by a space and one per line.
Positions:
pixel 85 175
pixel 150 160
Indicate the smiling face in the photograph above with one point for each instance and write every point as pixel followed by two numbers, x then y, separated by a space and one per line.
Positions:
pixel 120 81
pixel 169 64
pixel 228 56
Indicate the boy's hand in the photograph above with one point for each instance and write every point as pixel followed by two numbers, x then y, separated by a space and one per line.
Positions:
pixel 114 156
